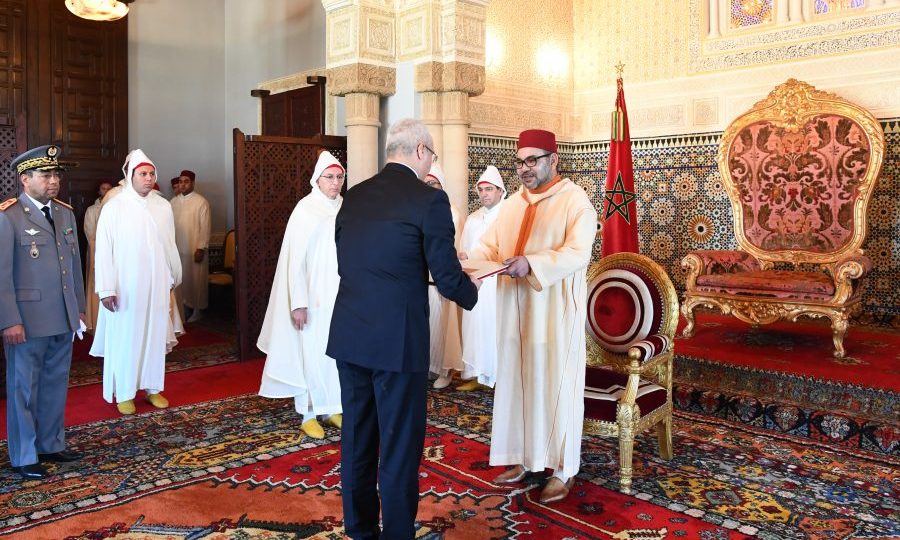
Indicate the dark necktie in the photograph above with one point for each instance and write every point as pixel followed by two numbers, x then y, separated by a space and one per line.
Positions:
pixel 46 211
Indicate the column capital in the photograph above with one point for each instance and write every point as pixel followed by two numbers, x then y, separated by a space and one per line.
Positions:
pixel 362 78
pixel 450 77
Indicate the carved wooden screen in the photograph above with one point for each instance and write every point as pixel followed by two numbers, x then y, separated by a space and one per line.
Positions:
pixel 270 175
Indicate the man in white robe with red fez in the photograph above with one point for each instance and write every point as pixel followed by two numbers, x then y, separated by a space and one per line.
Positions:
pixel 91 217
pixel 479 326
pixel 136 267
pixel 443 315
pixel 545 232
pixel 295 330
pixel 192 226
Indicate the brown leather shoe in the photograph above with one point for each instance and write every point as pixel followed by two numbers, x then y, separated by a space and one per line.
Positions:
pixel 555 490
pixel 511 476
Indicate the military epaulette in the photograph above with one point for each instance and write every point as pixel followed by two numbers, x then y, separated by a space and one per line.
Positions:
pixel 63 204
pixel 7 203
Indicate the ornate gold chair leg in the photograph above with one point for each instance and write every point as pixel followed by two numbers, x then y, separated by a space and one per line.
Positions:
pixel 687 311
pixel 664 437
pixel 626 446
pixel 839 326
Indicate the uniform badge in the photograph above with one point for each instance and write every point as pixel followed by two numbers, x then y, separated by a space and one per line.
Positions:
pixel 52 151
pixel 34 251
pixel 31 232
pixel 68 230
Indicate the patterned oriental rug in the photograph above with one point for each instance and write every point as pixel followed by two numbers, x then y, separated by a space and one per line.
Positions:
pixel 198 347
pixel 240 468
pixel 783 377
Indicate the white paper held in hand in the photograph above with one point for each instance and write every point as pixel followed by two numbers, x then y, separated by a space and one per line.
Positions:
pixel 80 332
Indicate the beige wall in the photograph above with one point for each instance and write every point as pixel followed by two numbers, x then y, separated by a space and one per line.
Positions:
pixel 517 93
pixel 679 76
pixel 192 64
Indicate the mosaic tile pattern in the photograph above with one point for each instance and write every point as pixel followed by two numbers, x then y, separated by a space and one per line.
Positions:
pixel 683 206
pixel 745 13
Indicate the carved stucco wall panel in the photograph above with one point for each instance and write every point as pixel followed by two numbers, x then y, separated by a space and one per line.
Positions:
pixel 378 80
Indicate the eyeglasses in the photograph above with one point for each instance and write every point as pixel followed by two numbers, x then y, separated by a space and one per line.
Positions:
pixel 434 156
pixel 333 178
pixel 531 161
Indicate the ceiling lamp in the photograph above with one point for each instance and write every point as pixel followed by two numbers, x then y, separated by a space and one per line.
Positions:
pixel 98 10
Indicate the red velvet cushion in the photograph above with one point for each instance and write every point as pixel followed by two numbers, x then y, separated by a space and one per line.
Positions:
pixel 604 388
pixel 770 283
pixel 651 346
pixel 624 307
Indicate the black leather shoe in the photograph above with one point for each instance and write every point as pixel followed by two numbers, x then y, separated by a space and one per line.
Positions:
pixel 61 457
pixel 35 471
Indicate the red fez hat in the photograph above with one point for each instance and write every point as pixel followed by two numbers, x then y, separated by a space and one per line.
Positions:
pixel 156 186
pixel 538 138
pixel 176 180
pixel 144 164
pixel 189 174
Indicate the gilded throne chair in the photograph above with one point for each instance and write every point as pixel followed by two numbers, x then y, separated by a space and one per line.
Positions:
pixel 799 169
pixel 631 320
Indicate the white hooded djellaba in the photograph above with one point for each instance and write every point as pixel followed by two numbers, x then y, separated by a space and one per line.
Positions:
pixel 136 260
pixel 306 276
pixel 444 316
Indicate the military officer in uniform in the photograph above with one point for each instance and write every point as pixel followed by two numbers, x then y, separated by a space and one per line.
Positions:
pixel 41 302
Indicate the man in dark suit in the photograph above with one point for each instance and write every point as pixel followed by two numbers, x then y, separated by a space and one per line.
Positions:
pixel 391 231
pixel 41 302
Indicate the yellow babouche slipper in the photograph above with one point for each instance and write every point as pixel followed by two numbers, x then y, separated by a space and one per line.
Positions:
pixel 336 420
pixel 126 407
pixel 468 386
pixel 312 428
pixel 157 400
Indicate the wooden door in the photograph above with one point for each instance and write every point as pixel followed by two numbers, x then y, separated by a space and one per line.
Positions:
pixel 63 81
pixel 270 175
pixel 295 113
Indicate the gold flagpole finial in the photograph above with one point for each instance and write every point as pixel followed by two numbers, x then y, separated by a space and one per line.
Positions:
pixel 620 67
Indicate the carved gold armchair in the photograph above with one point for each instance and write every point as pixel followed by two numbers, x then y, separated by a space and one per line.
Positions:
pixel 632 315
pixel 799 168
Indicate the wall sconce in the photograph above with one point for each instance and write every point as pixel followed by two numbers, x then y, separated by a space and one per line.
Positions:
pixel 493 51
pixel 99 10
pixel 552 62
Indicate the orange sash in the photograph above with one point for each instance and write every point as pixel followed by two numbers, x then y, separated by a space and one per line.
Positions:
pixel 530 211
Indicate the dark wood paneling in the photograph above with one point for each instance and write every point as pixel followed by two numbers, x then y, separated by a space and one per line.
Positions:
pixel 12 89
pixel 63 80
pixel 295 113
pixel 270 175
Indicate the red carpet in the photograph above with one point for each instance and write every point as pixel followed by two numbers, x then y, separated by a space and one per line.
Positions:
pixel 199 347
pixel 241 468
pixel 86 404
pixel 195 336
pixel 803 348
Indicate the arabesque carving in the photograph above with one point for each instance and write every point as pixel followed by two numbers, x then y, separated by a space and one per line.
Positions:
pixel 362 78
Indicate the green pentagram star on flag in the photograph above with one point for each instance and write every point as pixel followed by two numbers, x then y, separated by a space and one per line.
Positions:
pixel 621 207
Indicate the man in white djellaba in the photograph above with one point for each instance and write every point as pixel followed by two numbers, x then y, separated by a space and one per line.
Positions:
pixel 192 226
pixel 136 267
pixel 91 217
pixel 479 326
pixel 443 315
pixel 294 334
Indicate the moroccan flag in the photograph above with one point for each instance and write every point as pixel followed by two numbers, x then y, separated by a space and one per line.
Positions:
pixel 619 216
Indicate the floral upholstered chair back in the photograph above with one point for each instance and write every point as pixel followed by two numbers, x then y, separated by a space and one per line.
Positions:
pixel 799 168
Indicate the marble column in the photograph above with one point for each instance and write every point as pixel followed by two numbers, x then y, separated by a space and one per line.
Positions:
pixel 362 136
pixel 455 159
pixel 432 107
